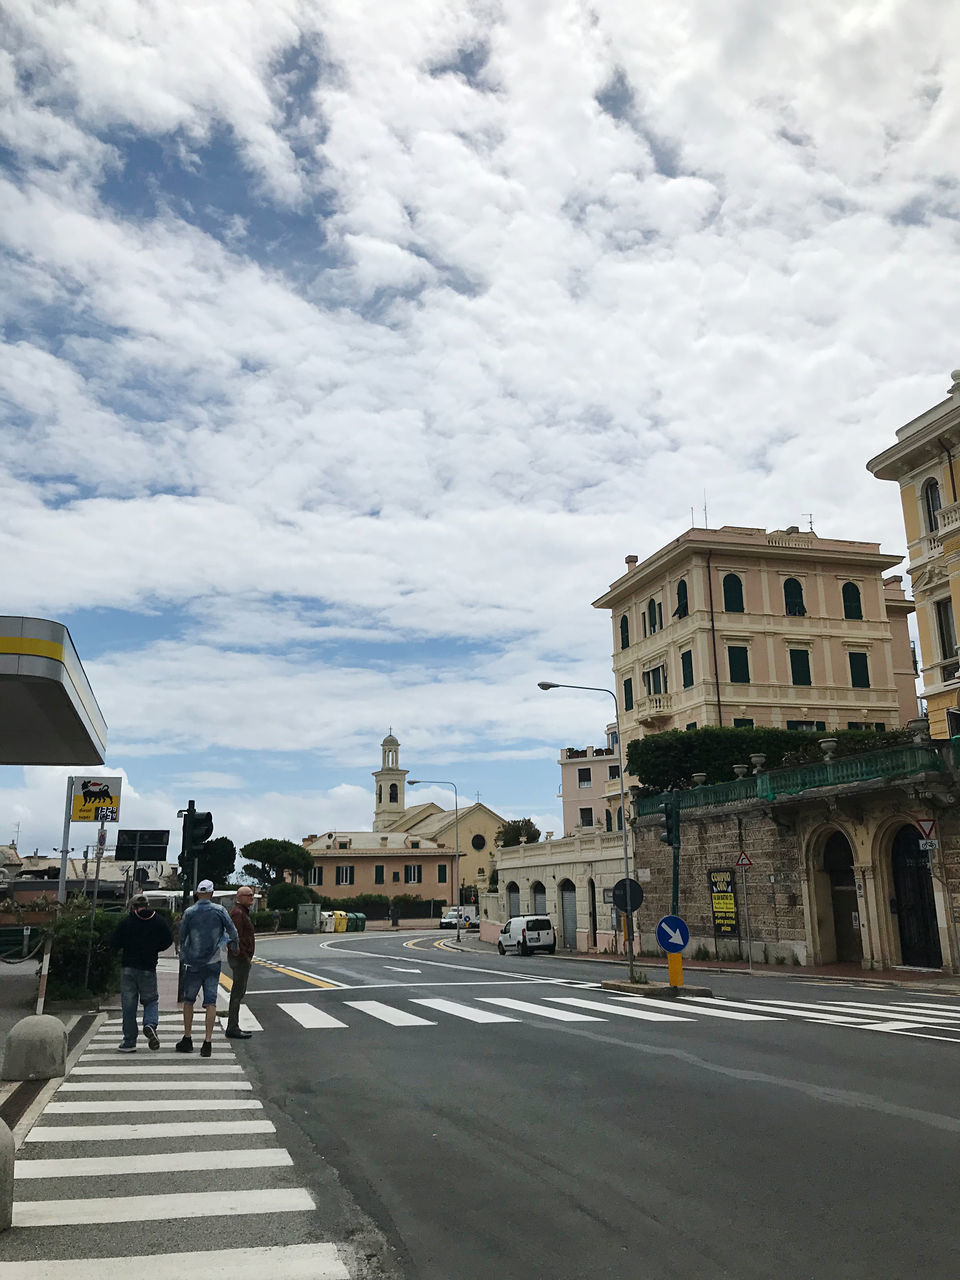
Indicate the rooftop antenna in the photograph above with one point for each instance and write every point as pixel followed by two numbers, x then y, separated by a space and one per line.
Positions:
pixel 692 521
pixel 705 509
pixel 808 516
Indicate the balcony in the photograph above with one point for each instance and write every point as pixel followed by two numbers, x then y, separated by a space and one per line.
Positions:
pixel 653 708
pixel 948 518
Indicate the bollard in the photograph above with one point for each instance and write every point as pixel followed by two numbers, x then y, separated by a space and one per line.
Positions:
pixel 7 1156
pixel 36 1049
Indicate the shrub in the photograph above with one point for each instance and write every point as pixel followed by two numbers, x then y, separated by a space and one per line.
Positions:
pixel 375 906
pixel 72 932
pixel 283 897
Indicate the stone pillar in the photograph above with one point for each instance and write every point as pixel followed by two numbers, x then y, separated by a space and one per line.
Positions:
pixel 36 1049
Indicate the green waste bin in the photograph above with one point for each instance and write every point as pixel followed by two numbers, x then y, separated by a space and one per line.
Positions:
pixel 361 922
pixel 351 922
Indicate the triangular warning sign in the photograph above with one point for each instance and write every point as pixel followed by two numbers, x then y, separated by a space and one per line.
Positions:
pixel 927 826
pixel 744 861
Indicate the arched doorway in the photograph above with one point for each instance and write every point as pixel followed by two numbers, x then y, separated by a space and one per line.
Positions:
pixel 843 903
pixel 913 898
pixel 538 898
pixel 513 898
pixel 568 914
pixel 592 891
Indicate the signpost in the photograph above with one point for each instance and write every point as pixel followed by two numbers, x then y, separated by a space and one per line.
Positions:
pixel 88 799
pixel 627 898
pixel 743 862
pixel 673 936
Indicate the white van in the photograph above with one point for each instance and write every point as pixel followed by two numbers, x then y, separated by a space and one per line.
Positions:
pixel 524 934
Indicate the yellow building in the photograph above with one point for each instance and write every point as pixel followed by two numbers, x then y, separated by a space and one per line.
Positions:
pixel 740 627
pixel 925 464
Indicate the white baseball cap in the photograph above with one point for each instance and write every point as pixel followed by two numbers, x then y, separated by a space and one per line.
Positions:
pixel 205 886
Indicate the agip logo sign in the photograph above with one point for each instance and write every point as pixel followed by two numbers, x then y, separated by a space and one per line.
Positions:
pixel 95 799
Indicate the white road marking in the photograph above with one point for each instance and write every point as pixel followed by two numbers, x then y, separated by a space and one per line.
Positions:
pixel 169 1162
pixel 523 1006
pixel 847 1009
pixel 247 1020
pixel 160 1104
pixel 309 1015
pixel 150 1086
pixel 154 1208
pixel 623 1011
pixel 163 1129
pixel 279 1262
pixel 395 1017
pixel 202 1067
pixel 464 1011
pixel 395 969
pixel 776 1010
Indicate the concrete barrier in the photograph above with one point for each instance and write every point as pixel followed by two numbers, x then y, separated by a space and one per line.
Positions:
pixel 7 1155
pixel 35 1049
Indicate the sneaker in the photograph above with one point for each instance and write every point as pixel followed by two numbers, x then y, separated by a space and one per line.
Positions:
pixel 153 1040
pixel 124 1047
pixel 206 1049
pixel 184 1046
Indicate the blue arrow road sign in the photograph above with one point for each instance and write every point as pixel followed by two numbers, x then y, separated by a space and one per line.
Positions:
pixel 672 933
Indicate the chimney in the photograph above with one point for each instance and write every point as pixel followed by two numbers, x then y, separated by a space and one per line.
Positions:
pixel 630 562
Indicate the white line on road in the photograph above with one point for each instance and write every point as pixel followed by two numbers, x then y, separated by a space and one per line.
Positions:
pixel 648 1015
pixel 464 1011
pixel 169 1162
pixel 395 1017
pixel 161 1104
pixel 150 1086
pixel 310 1016
pixel 141 1132
pixel 396 969
pixel 247 1020
pixel 705 1006
pixel 279 1262
pixel 155 1208
pixel 773 1012
pixel 523 1006
pixel 204 1067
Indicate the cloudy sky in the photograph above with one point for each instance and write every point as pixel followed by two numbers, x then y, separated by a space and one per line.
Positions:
pixel 349 347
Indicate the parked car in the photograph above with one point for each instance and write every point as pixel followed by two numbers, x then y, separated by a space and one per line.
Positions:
pixel 524 934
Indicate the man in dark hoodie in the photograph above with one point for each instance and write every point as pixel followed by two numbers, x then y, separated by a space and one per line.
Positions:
pixel 141 935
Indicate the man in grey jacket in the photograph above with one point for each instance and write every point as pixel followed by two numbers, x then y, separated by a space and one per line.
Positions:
pixel 204 930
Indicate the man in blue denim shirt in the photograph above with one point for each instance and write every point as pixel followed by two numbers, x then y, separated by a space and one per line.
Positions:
pixel 204 930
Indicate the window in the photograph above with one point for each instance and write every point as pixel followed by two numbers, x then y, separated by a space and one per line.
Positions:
pixel 584 778
pixel 859 671
pixel 852 608
pixel 412 873
pixel 608 819
pixel 931 505
pixel 732 594
pixel 441 873
pixel 343 844
pixel 793 598
pixel 345 874
pixel 659 616
pixel 738 658
pixel 619 817
pixel 378 873
pixel 414 844
pixel 394 793
pixel 800 666
pixel 655 680
pixel 624 632
pixel 686 668
pixel 478 842
pixel 742 722
pixel 380 795
pixel 315 875
pixel 946 629
pixel 691 725
pixel 613 772
pixel 683 607
pixel 652 616
pixel 876 725
pixel 811 726
pixel 396 876
pixel 628 694
pixel 586 817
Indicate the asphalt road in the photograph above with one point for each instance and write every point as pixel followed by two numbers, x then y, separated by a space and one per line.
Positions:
pixel 811 1132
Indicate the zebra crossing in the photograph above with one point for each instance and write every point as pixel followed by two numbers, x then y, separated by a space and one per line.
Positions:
pixel 925 1020
pixel 163 1138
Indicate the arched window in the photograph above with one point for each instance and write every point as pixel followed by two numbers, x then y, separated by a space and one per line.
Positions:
pixel 609 820
pixel 793 598
pixel 931 505
pixel 683 608
pixel 732 594
pixel 624 632
pixel 380 795
pixel 652 616
pixel 852 607
pixel 394 793
pixel 619 817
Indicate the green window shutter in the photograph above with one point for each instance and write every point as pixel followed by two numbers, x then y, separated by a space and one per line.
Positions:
pixel 800 666
pixel 686 668
pixel 441 873
pixel 732 594
pixel 624 632
pixel 852 608
pixel 859 671
pixel 378 873
pixel 738 658
pixel 628 694
pixel 741 722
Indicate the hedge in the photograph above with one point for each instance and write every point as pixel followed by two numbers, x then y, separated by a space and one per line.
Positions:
pixel 71 933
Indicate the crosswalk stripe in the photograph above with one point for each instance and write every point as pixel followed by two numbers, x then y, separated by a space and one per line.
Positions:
pixel 141 1132
pixel 705 1006
pixel 150 1086
pixel 843 1009
pixel 204 1067
pixel 161 1104
pixel 170 1162
pixel 781 1009
pixel 247 1020
pixel 920 1013
pixel 154 1208
pixel 309 1015
pixel 386 1013
pixel 559 1015
pixel 648 1015
pixel 463 1011
pixel 279 1262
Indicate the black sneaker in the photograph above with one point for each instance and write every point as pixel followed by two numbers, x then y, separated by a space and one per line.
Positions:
pixel 234 1033
pixel 206 1049
pixel 184 1046
pixel 124 1047
pixel 153 1040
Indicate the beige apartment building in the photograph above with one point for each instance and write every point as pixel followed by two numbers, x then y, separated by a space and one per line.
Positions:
pixel 740 627
pixel 589 781
pixel 347 863
pixel 924 463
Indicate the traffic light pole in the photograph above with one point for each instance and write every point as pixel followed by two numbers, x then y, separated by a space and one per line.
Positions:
pixel 187 857
pixel 675 898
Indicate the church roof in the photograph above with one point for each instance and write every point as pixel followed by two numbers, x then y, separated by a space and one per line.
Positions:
pixel 368 842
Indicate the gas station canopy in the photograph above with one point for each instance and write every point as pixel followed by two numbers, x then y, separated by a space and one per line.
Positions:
pixel 48 714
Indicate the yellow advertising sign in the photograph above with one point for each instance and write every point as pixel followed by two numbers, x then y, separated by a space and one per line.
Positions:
pixel 96 800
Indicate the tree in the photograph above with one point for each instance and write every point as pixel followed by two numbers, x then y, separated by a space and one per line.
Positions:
pixel 268 860
pixel 517 830
pixel 285 896
pixel 216 861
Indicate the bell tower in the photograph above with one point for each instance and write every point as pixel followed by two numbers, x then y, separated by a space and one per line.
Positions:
pixel 390 802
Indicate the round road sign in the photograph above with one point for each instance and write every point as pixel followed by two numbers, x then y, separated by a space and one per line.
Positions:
pixel 627 895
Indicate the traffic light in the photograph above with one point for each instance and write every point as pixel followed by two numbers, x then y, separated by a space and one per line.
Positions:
pixel 197 829
pixel 667 821
pixel 201 829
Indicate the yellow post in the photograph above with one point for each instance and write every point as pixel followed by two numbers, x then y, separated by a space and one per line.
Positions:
pixel 675 968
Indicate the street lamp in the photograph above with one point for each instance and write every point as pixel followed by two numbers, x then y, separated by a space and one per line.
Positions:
pixel 433 782
pixel 592 688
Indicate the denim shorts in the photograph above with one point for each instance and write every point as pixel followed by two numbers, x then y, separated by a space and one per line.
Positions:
pixel 207 976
